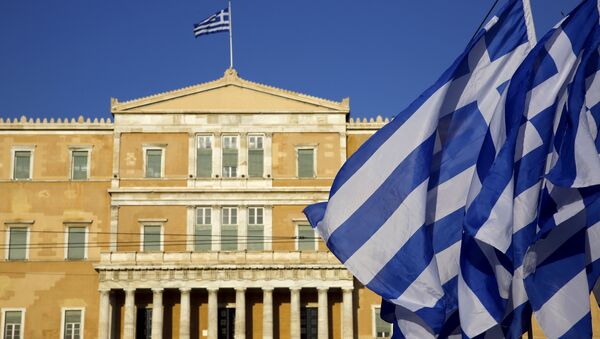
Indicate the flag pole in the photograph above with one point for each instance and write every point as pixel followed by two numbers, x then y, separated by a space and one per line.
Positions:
pixel 230 37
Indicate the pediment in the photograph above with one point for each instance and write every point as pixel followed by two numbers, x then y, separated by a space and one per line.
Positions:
pixel 230 94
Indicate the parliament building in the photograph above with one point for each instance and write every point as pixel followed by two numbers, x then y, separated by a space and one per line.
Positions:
pixel 180 218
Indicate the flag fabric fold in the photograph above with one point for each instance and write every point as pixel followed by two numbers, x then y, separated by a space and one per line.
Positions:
pixel 479 204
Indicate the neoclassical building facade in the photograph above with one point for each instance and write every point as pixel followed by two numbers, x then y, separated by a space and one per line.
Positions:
pixel 180 218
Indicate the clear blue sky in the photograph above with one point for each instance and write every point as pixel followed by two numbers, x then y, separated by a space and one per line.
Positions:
pixel 63 58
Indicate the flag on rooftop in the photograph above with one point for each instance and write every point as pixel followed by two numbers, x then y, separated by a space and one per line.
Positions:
pixel 218 22
pixel 446 212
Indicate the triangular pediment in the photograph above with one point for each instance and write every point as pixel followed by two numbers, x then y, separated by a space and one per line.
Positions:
pixel 230 94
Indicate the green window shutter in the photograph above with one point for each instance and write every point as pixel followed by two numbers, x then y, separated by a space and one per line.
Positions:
pixel 255 163
pixel 306 163
pixel 151 238
pixel 256 237
pixel 22 165
pixel 153 163
pixel 229 238
pixel 203 238
pixel 306 238
pixel 230 160
pixel 72 316
pixel 17 248
pixel 204 163
pixel 76 243
pixel 383 329
pixel 80 165
pixel 12 317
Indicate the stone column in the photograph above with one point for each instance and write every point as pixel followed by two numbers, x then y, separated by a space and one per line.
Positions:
pixel 323 329
pixel 103 314
pixel 295 312
pixel 157 313
pixel 267 313
pixel 184 313
pixel 213 317
pixel 240 313
pixel 129 321
pixel 347 321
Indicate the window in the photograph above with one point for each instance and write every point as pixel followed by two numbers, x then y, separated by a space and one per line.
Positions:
pixel 229 229
pixel 256 229
pixel 154 162
pixel 22 164
pixel 17 243
pixel 204 157
pixel 151 241
pixel 79 164
pixel 76 243
pixel 309 322
pixel 13 323
pixel 306 238
pixel 203 238
pixel 230 156
pixel 381 328
pixel 72 326
pixel 226 323
pixel 255 156
pixel 306 163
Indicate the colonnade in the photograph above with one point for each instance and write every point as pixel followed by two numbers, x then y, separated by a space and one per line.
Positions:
pixel 240 313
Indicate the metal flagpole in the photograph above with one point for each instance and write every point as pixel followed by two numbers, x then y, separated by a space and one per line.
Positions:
pixel 230 37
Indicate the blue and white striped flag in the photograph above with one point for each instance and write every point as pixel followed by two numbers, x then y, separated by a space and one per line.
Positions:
pixel 218 22
pixel 396 208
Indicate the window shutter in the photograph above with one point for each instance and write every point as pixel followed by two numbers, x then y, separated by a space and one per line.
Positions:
pixel 255 163
pixel 72 316
pixel 76 249
pixel 230 157
pixel 12 317
pixel 204 163
pixel 203 239
pixel 22 164
pixel 18 243
pixel 80 165
pixel 229 238
pixel 306 163
pixel 306 238
pixel 256 237
pixel 151 238
pixel 153 163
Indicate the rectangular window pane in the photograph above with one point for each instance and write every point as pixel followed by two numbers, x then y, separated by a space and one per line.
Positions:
pixel 76 243
pixel 153 163
pixel 256 237
pixel 72 324
pixel 12 317
pixel 306 163
pixel 17 248
pixel 80 165
pixel 22 165
pixel 229 238
pixel 152 238
pixel 306 238
pixel 12 324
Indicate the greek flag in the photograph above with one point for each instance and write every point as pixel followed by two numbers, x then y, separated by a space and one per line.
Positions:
pixel 218 22
pixel 396 208
pixel 480 204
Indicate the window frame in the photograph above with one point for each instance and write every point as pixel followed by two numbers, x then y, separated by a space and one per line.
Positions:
pixel 3 320
pixel 7 240
pixel 72 150
pixel 14 151
pixel 212 154
pixel 229 224
pixel 86 239
pixel 374 315
pixel 256 223
pixel 143 235
pixel 63 311
pixel 248 149
pixel 237 148
pixel 316 240
pixel 163 149
pixel 306 147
